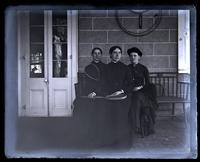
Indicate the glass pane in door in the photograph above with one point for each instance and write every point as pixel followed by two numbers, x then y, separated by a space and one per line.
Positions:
pixel 59 38
pixel 37 44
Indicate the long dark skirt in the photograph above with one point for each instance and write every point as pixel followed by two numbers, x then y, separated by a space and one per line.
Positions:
pixel 142 114
pixel 102 124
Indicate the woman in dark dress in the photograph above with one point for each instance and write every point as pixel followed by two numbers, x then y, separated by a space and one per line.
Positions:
pixel 117 74
pixel 116 122
pixel 95 75
pixel 142 109
pixel 88 110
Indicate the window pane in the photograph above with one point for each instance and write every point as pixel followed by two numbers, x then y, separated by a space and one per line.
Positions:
pixel 37 48
pixel 36 57
pixel 37 18
pixel 37 34
pixel 59 38
pixel 36 70
pixel 60 17
pixel 36 45
pixel 59 51
pixel 59 68
pixel 61 32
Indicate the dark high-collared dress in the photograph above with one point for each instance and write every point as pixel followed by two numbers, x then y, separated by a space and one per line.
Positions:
pixel 140 98
pixel 102 123
pixel 139 75
pixel 88 112
pixel 118 77
pixel 95 78
pixel 117 130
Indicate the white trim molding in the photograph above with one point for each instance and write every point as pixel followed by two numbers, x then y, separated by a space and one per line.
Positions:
pixel 184 41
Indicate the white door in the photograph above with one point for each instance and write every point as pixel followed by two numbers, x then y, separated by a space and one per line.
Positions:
pixel 36 92
pixel 45 52
pixel 59 64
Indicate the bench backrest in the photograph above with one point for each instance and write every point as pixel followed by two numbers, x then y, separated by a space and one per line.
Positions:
pixel 167 84
pixel 171 84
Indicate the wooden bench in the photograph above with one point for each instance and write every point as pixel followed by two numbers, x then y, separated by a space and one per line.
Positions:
pixel 172 88
pixel 79 87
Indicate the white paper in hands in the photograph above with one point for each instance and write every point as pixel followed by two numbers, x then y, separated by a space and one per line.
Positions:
pixel 137 88
pixel 116 93
pixel 92 95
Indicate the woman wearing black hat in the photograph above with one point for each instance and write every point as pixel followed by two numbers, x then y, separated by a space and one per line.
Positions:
pixel 140 93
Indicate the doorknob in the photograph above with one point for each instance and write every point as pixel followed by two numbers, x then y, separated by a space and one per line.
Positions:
pixel 46 81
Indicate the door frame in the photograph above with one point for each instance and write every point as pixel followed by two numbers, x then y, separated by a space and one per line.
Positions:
pixel 22 43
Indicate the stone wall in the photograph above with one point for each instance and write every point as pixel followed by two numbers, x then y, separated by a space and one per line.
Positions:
pixel 98 28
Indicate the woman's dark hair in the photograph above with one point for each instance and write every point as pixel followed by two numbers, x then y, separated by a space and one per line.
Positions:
pixel 134 49
pixel 96 49
pixel 113 48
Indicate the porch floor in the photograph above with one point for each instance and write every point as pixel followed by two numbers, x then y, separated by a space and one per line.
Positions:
pixel 170 140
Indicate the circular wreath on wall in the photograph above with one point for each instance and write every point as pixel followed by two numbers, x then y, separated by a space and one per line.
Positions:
pixel 157 19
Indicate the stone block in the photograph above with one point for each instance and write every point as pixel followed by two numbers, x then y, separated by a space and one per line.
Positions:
pixel 121 13
pixel 92 37
pixel 166 49
pixel 136 12
pixel 133 23
pixel 162 69
pixel 85 23
pixel 155 36
pixel 168 23
pixel 173 36
pixel 153 12
pixel 105 24
pixel 156 61
pixel 83 61
pixel 173 61
pixel 84 49
pixel 120 37
pixel 92 13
